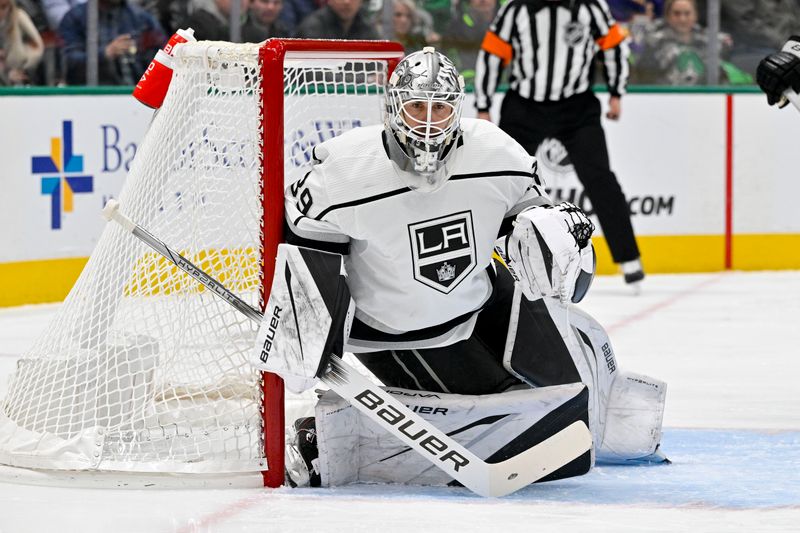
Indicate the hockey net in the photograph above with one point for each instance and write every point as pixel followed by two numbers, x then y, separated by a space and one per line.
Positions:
pixel 142 370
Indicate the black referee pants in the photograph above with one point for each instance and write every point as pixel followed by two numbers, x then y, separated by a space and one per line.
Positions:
pixel 575 122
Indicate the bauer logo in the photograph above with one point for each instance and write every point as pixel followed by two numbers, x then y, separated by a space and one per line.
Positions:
pixel 62 175
pixel 416 433
pixel 443 250
pixel 269 338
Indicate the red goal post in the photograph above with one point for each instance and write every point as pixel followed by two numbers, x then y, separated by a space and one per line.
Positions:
pixel 273 55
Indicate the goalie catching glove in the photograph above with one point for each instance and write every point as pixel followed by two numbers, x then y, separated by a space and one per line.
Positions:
pixel 307 317
pixel 550 253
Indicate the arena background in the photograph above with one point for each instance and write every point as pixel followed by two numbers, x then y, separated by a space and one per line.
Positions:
pixel 710 176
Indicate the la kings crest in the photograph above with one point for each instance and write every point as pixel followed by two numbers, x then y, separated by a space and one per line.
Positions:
pixel 443 250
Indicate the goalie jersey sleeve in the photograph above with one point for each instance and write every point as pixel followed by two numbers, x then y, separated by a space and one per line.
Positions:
pixel 310 224
pixel 419 265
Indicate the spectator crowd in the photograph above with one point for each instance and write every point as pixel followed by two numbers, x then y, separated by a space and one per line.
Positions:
pixel 43 42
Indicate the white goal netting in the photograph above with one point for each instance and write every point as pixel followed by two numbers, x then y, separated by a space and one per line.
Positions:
pixel 142 369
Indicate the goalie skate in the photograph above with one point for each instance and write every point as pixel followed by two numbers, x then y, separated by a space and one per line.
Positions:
pixel 302 455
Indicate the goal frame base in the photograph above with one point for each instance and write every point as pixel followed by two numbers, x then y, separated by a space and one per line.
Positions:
pixel 89 479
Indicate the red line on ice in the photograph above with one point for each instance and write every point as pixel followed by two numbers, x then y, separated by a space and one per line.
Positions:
pixel 228 511
pixel 647 312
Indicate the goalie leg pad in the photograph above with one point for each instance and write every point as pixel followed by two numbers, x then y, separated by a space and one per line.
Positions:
pixel 628 408
pixel 307 317
pixel 634 416
pixel 550 343
pixel 495 427
pixel 537 347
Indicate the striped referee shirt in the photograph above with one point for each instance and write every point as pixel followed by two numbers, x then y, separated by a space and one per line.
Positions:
pixel 550 46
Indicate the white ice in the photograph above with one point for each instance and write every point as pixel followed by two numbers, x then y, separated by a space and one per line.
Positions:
pixel 728 344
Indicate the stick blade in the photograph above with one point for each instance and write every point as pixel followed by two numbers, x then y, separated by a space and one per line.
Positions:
pixel 540 460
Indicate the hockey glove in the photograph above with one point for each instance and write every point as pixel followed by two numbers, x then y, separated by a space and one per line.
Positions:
pixel 550 252
pixel 780 71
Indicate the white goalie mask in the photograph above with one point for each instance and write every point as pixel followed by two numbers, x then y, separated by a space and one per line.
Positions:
pixel 422 118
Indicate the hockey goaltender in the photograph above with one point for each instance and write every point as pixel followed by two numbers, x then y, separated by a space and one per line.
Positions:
pixel 461 279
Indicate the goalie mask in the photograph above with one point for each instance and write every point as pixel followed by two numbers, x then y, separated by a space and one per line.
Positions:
pixel 422 117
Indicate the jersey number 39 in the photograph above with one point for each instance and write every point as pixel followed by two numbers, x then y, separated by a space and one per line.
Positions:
pixel 304 201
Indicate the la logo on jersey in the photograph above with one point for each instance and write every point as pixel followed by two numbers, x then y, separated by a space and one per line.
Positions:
pixel 443 250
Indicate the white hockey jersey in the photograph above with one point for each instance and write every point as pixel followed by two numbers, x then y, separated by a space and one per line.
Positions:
pixel 418 264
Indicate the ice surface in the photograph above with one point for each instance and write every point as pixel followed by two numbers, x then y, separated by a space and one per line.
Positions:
pixel 728 344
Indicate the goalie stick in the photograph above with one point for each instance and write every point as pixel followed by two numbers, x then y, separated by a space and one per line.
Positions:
pixel 793 47
pixel 485 479
pixel 793 97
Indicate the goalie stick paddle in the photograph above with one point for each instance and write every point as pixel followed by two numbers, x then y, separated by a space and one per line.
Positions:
pixel 485 479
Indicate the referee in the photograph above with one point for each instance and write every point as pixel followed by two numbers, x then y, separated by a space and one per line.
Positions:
pixel 550 46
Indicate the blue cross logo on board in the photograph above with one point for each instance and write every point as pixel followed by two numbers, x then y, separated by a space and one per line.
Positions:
pixel 62 175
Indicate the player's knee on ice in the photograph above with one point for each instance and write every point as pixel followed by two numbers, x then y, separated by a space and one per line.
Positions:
pixel 495 427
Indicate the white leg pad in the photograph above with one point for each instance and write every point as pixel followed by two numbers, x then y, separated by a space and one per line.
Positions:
pixel 634 415
pixel 352 448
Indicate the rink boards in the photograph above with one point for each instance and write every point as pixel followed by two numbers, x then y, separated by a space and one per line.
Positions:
pixel 711 181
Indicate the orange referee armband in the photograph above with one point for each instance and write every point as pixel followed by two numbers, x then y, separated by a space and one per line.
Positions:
pixel 496 46
pixel 616 34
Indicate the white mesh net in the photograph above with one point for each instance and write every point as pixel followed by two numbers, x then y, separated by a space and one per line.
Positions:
pixel 142 369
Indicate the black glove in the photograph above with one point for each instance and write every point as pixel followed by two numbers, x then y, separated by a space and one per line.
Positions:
pixel 778 72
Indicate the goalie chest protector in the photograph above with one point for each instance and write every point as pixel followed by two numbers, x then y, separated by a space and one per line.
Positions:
pixel 416 260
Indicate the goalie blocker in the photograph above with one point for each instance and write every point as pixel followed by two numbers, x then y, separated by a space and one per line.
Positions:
pixel 307 317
